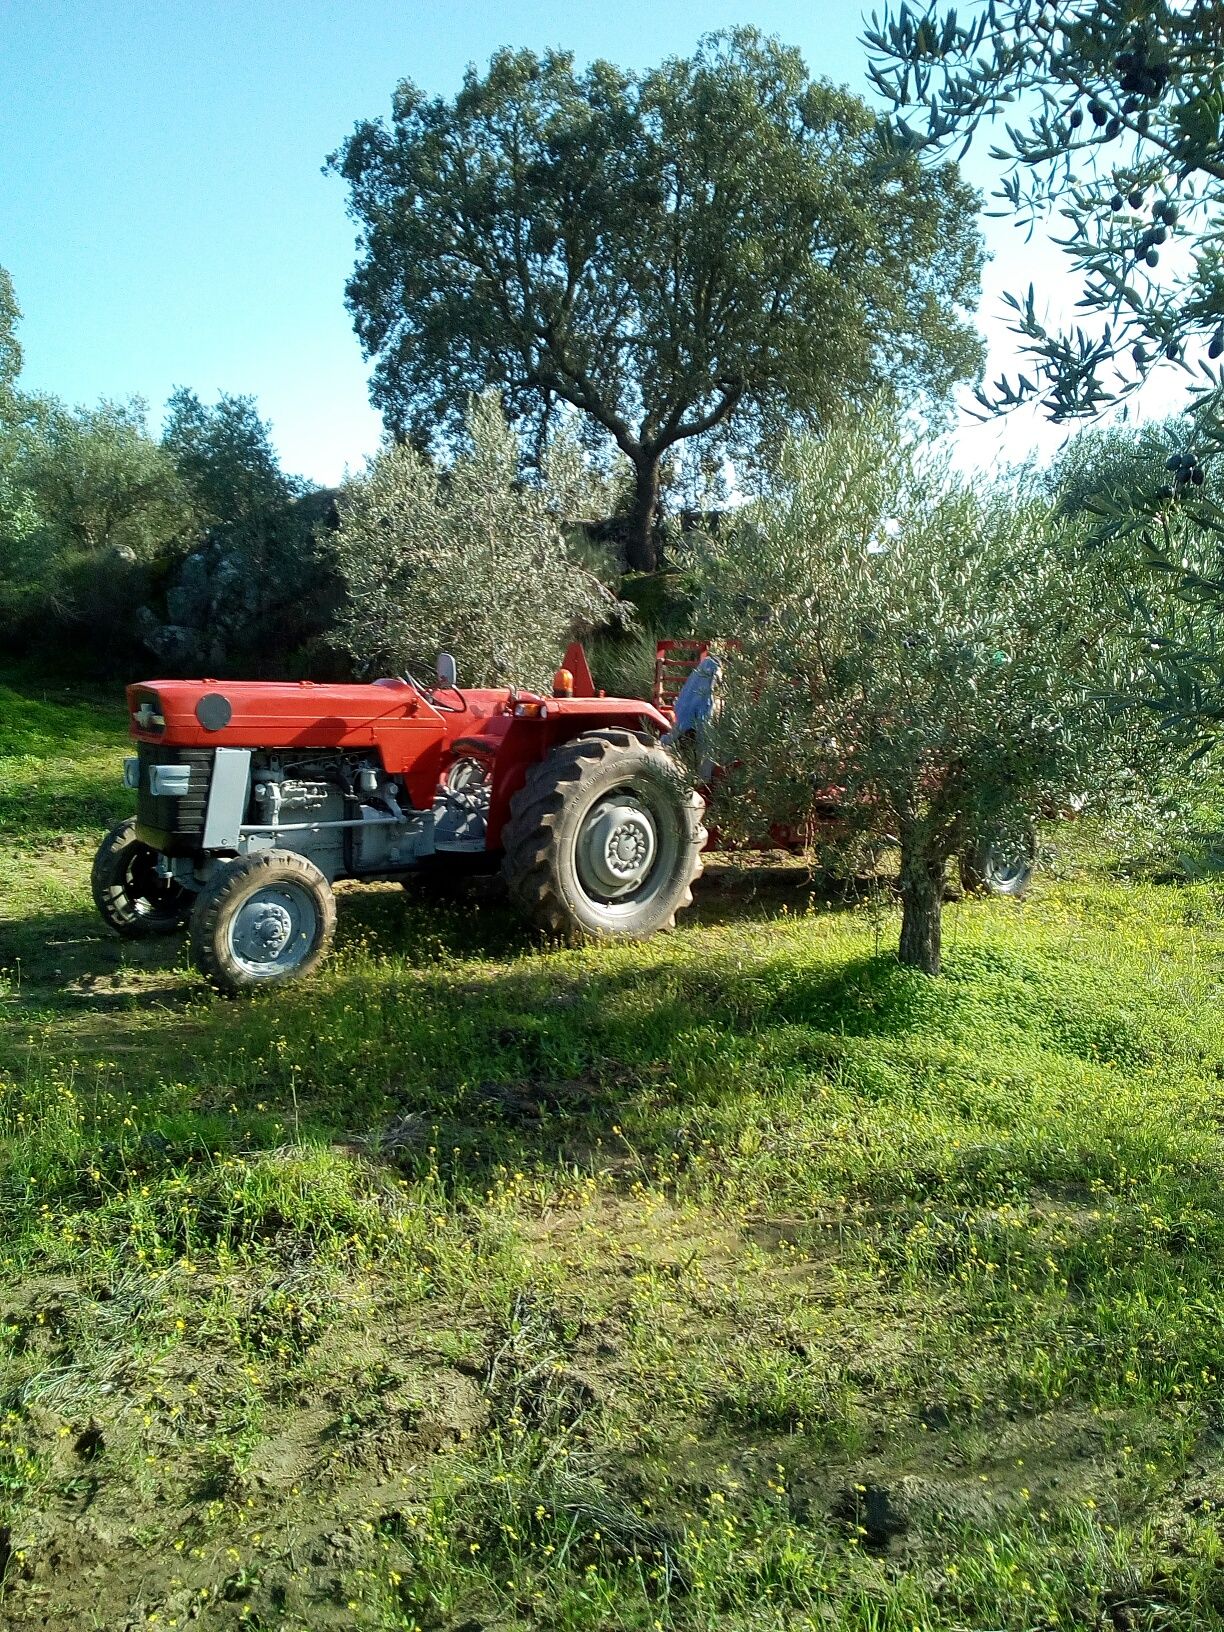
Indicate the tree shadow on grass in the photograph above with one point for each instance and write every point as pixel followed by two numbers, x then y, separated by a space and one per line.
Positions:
pixel 545 1061
pixel 642 1071
pixel 631 1066
pixel 734 888
pixel 545 1038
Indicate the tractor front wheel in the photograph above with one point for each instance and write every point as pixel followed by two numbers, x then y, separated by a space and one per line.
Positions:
pixel 129 892
pixel 261 920
pixel 604 838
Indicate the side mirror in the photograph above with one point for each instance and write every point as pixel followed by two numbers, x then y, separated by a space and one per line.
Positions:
pixel 448 673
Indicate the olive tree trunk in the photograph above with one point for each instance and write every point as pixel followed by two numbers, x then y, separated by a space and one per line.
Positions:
pixel 922 895
pixel 641 547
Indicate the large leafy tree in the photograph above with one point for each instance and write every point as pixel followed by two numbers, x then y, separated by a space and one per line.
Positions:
pixel 260 585
pixel 914 658
pixel 1107 114
pixel 16 507
pixel 700 251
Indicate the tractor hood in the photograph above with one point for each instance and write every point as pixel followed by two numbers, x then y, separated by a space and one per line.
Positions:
pixel 410 732
pixel 390 716
pixel 261 714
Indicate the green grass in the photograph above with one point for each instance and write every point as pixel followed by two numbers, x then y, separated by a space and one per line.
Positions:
pixel 739 1280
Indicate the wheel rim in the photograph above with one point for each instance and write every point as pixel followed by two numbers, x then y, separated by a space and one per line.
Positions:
pixel 1007 865
pixel 625 849
pixel 274 930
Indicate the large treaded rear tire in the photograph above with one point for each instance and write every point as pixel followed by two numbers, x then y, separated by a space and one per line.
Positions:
pixel 605 788
pixel 129 893
pixel 284 892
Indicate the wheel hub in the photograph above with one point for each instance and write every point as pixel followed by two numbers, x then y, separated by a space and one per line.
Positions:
pixel 1005 869
pixel 268 928
pixel 617 846
pixel 273 928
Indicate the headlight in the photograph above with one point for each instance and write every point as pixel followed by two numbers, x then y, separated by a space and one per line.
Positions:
pixel 169 781
pixel 131 773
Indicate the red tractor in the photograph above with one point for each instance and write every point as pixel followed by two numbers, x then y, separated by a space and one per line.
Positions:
pixel 252 799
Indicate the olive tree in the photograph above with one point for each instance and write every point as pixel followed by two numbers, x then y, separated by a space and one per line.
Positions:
pixel 1144 492
pixel 1105 115
pixel 468 558
pixel 933 660
pixel 108 510
pixel 694 252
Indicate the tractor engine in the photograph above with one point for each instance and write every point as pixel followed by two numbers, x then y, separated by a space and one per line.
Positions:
pixel 342 811
pixel 345 814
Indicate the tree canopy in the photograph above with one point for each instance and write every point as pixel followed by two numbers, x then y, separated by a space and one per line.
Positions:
pixel 104 485
pixel 115 543
pixel 10 346
pixel 224 454
pixel 104 513
pixel 702 250
pixel 1108 113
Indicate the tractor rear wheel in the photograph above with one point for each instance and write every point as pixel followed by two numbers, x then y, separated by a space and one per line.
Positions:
pixel 604 838
pixel 260 920
pixel 129 892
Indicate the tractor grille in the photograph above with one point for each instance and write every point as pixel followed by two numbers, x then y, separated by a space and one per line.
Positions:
pixel 175 825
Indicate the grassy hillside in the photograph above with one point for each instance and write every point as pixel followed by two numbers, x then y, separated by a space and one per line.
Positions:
pixel 740 1280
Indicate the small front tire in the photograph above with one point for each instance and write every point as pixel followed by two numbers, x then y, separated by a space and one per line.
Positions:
pixel 129 892
pixel 261 920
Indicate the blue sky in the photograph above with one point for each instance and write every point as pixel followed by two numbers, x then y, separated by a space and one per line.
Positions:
pixel 164 215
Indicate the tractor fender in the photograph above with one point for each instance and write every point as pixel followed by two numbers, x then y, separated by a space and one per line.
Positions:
pixel 526 741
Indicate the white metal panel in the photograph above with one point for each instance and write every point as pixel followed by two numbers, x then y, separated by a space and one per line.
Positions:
pixel 227 798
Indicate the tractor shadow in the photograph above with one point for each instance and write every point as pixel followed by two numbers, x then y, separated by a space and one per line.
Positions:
pixel 70 962
pixel 430 922
pixel 457 1052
